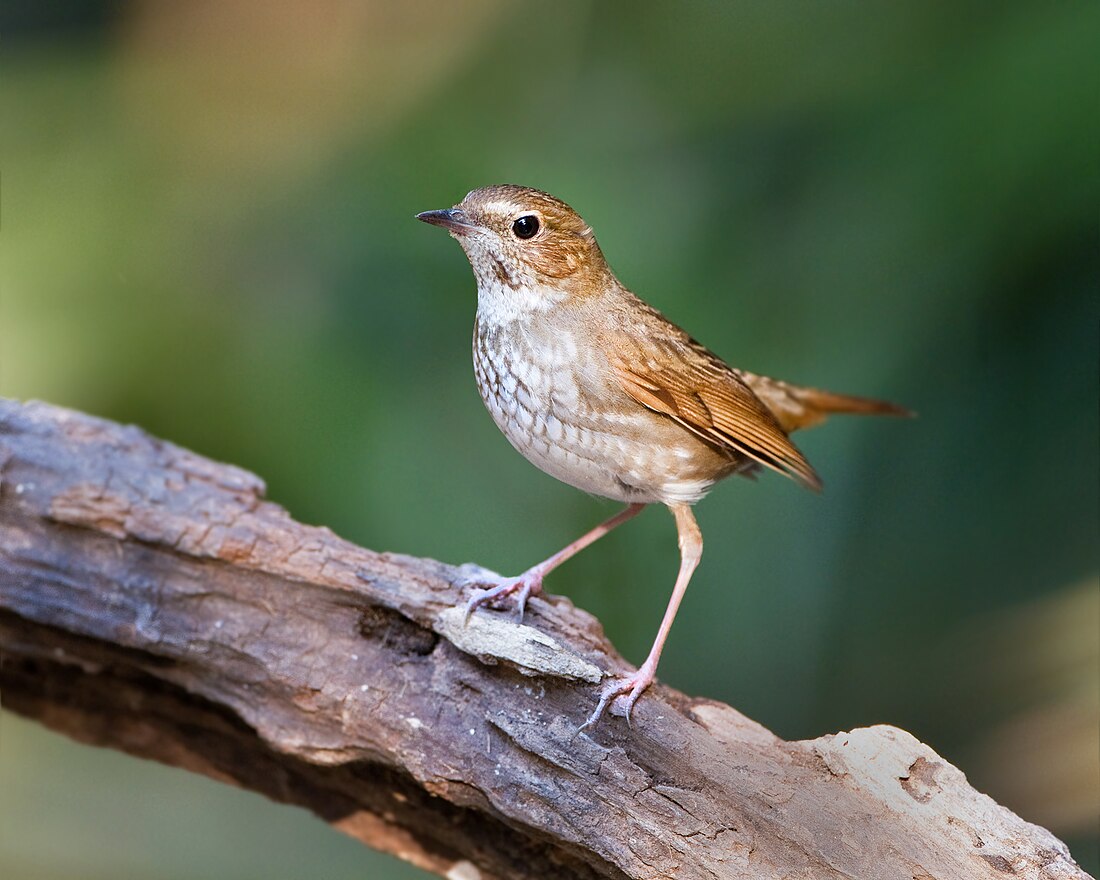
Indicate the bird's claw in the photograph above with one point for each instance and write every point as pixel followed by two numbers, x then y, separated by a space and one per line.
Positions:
pixel 622 694
pixel 495 587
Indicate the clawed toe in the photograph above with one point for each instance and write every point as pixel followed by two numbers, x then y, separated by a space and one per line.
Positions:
pixel 623 693
pixel 485 596
pixel 522 588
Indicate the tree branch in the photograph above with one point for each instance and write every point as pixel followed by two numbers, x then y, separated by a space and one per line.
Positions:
pixel 152 601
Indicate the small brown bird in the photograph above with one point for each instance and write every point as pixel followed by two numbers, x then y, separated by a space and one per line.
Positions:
pixel 600 390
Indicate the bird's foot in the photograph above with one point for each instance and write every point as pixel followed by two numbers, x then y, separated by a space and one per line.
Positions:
pixel 621 694
pixel 494 588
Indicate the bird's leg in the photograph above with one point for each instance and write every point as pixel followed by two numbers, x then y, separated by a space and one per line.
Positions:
pixel 624 692
pixel 530 582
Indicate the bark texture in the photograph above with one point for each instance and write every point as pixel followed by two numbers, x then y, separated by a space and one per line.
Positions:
pixel 151 600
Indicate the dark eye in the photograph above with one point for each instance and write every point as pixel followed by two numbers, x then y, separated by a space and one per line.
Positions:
pixel 526 226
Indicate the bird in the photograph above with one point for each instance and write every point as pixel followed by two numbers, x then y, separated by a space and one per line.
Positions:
pixel 598 389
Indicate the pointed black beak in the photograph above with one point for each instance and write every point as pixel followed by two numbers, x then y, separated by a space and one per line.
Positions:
pixel 451 219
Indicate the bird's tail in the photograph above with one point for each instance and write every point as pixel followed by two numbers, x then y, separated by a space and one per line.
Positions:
pixel 796 406
pixel 827 402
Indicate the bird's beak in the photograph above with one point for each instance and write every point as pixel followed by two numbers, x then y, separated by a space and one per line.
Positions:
pixel 451 219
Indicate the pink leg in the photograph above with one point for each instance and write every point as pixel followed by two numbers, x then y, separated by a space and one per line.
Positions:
pixel 625 691
pixel 530 582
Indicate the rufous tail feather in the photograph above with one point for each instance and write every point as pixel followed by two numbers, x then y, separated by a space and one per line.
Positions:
pixel 797 407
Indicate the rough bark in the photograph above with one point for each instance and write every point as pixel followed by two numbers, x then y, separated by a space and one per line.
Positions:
pixel 152 601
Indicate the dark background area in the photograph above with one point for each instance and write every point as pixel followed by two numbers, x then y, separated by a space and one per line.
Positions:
pixel 207 230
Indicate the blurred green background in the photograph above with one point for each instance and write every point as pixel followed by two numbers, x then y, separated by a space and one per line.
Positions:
pixel 207 230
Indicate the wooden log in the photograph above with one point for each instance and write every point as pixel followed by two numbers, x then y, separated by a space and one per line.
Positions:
pixel 151 600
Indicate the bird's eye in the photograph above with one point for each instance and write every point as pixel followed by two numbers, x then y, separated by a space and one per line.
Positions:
pixel 526 226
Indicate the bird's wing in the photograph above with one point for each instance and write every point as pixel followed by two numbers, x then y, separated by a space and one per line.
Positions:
pixel 673 375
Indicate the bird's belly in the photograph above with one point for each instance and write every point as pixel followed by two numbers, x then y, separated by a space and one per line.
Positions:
pixel 620 451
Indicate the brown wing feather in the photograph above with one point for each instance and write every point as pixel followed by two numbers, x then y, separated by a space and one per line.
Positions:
pixel 687 383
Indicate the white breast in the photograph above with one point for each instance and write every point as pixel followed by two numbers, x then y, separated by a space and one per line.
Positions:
pixel 536 380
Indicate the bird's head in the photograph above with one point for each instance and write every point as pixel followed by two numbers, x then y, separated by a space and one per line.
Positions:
pixel 519 238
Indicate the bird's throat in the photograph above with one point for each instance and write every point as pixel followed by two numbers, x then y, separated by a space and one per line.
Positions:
pixel 499 304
